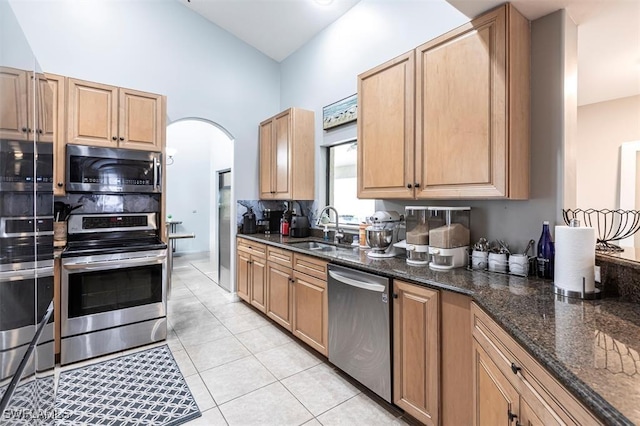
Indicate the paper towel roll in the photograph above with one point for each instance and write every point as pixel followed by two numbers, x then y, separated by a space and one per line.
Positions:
pixel 575 258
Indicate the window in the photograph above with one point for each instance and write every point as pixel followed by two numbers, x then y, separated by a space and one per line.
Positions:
pixel 343 185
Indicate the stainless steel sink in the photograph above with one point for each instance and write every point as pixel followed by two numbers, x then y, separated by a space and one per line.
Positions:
pixel 315 246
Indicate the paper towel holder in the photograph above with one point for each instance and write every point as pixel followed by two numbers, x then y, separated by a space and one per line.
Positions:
pixel 595 294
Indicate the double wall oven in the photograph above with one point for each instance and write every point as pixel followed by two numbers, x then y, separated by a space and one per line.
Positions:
pixel 26 256
pixel 113 286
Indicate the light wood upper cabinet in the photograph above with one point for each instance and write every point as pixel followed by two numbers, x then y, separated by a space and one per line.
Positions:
pixel 104 115
pixel 19 120
pixel 416 351
pixel 386 129
pixel 53 97
pixel 141 123
pixel 14 116
pixel 471 97
pixel 287 160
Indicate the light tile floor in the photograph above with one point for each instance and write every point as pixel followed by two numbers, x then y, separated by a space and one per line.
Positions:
pixel 242 369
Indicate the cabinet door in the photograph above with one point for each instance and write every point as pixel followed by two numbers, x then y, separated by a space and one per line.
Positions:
pixel 13 104
pixel 279 294
pixel 528 416
pixel 386 130
pixel 52 105
pixel 140 124
pixel 258 292
pixel 243 271
pixel 47 108
pixel 310 311
pixel 494 398
pixel 282 156
pixel 92 114
pixel 416 351
pixel 461 128
pixel 266 160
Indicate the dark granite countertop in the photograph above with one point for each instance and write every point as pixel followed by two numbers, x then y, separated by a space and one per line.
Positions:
pixel 630 257
pixel 591 347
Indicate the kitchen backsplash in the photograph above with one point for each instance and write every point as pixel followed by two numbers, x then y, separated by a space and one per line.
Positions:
pixel 113 203
pixel 308 208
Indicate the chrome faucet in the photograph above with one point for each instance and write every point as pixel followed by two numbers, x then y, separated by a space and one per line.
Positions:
pixel 339 235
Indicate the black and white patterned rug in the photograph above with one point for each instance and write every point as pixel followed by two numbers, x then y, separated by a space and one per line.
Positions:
pixel 144 388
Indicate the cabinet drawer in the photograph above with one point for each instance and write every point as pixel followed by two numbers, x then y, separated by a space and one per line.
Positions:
pixel 253 248
pixel 310 266
pixel 280 256
pixel 530 379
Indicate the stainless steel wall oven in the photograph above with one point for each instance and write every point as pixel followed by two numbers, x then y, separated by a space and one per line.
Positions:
pixel 114 284
pixel 26 166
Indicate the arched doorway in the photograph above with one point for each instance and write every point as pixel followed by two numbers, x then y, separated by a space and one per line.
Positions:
pixel 199 158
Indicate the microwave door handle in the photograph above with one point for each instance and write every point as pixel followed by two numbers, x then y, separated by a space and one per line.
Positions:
pixel 124 263
pixel 156 173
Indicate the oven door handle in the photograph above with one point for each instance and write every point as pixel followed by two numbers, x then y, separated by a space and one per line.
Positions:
pixel 116 264
pixel 27 274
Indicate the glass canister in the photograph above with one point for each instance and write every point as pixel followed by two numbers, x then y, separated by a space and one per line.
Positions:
pixel 417 234
pixel 449 236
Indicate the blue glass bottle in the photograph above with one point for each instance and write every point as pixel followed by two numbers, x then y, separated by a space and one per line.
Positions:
pixel 546 253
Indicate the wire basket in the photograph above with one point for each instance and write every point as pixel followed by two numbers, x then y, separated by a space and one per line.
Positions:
pixel 611 225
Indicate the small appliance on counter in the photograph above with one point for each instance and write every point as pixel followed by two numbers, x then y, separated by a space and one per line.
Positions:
pixel 249 222
pixel 449 237
pixel 271 220
pixel 417 236
pixel 382 233
pixel 299 227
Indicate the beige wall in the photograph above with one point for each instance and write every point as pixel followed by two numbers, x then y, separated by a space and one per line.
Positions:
pixel 602 128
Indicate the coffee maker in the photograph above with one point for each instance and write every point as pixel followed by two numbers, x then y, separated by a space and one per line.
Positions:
pixel 271 220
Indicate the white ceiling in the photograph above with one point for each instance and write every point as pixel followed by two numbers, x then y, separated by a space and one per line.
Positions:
pixel 608 32
pixel 275 27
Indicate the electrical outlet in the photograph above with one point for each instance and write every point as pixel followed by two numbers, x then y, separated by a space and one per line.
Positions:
pixel 597 273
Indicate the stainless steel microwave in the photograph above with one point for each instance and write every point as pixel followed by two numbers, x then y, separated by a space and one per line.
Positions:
pixel 113 170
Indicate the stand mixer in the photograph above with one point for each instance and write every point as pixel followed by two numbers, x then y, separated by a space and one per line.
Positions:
pixel 382 233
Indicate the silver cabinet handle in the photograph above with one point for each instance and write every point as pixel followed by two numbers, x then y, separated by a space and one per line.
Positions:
pixel 357 283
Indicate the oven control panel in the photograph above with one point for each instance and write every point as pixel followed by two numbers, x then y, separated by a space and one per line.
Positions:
pixel 91 223
pixel 100 222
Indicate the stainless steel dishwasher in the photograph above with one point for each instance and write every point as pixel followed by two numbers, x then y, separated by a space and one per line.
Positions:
pixel 359 327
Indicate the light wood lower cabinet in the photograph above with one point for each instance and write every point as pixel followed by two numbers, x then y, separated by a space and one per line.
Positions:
pixel 310 311
pixel 279 295
pixel 416 351
pixel 258 283
pixel 251 273
pixel 289 288
pixel 510 386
